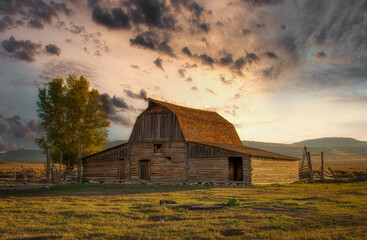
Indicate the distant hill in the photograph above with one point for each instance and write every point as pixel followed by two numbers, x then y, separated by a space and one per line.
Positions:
pixel 333 142
pixel 23 155
pixel 333 148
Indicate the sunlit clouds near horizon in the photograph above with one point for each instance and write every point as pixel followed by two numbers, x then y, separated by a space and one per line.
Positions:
pixel 280 71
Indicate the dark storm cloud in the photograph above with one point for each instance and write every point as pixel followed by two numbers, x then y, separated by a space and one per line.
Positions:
pixel 114 20
pixel 196 9
pixel 152 41
pixel 141 95
pixel 186 51
pixel 24 50
pixel 260 25
pixel 35 12
pixel 52 49
pixel 239 63
pixel 152 13
pixel 6 22
pixel 227 60
pixel 252 57
pixel 13 126
pixel 206 59
pixel 204 27
pixel 115 107
pixel 35 23
pixel 346 22
pixel 271 55
pixel 158 63
pixel 262 3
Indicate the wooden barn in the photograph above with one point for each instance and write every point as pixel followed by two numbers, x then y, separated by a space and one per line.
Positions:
pixel 176 144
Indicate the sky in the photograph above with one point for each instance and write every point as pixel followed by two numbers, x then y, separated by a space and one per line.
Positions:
pixel 280 71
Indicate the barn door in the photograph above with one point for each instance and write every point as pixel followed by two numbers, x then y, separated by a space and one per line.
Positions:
pixel 144 169
pixel 235 169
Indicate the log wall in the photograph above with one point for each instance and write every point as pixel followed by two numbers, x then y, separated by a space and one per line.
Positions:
pixel 105 166
pixel 101 170
pixel 215 170
pixel 265 171
pixel 161 171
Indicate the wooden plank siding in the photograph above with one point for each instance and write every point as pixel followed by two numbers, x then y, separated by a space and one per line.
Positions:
pixel 265 171
pixel 153 126
pixel 215 170
pixel 105 165
pixel 161 171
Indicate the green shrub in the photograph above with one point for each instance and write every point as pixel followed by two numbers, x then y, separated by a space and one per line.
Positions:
pixel 233 202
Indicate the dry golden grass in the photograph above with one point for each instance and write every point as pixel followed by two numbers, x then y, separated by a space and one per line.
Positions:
pixel 118 211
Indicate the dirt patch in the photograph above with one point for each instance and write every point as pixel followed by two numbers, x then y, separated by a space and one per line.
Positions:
pixel 232 232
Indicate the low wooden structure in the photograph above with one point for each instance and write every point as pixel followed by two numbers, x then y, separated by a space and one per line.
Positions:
pixel 176 144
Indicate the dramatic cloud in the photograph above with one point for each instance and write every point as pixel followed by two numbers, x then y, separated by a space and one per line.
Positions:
pixel 151 41
pixel 158 63
pixel 52 49
pixel 186 51
pixel 141 95
pixel 37 13
pixel 271 55
pixel 227 60
pixel 116 19
pixel 14 127
pixel 117 108
pixel 24 50
pixel 206 59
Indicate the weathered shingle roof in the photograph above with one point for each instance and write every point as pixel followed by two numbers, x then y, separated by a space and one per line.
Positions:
pixel 253 152
pixel 202 126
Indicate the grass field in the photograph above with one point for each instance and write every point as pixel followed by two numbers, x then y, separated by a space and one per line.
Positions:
pixel 112 211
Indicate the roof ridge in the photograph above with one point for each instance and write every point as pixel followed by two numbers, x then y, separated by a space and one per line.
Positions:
pixel 177 105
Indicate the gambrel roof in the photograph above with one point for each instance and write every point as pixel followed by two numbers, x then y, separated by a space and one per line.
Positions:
pixel 201 125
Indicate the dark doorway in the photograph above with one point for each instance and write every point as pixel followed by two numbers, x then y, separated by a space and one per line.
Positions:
pixel 235 169
pixel 144 169
pixel 121 169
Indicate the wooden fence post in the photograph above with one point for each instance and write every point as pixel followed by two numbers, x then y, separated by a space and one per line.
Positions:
pixel 48 167
pixel 80 162
pixel 322 166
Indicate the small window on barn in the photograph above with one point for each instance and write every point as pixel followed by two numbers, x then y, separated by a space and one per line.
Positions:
pixel 168 159
pixel 157 148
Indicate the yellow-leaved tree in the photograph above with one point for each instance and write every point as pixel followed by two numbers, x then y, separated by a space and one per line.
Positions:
pixel 70 112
